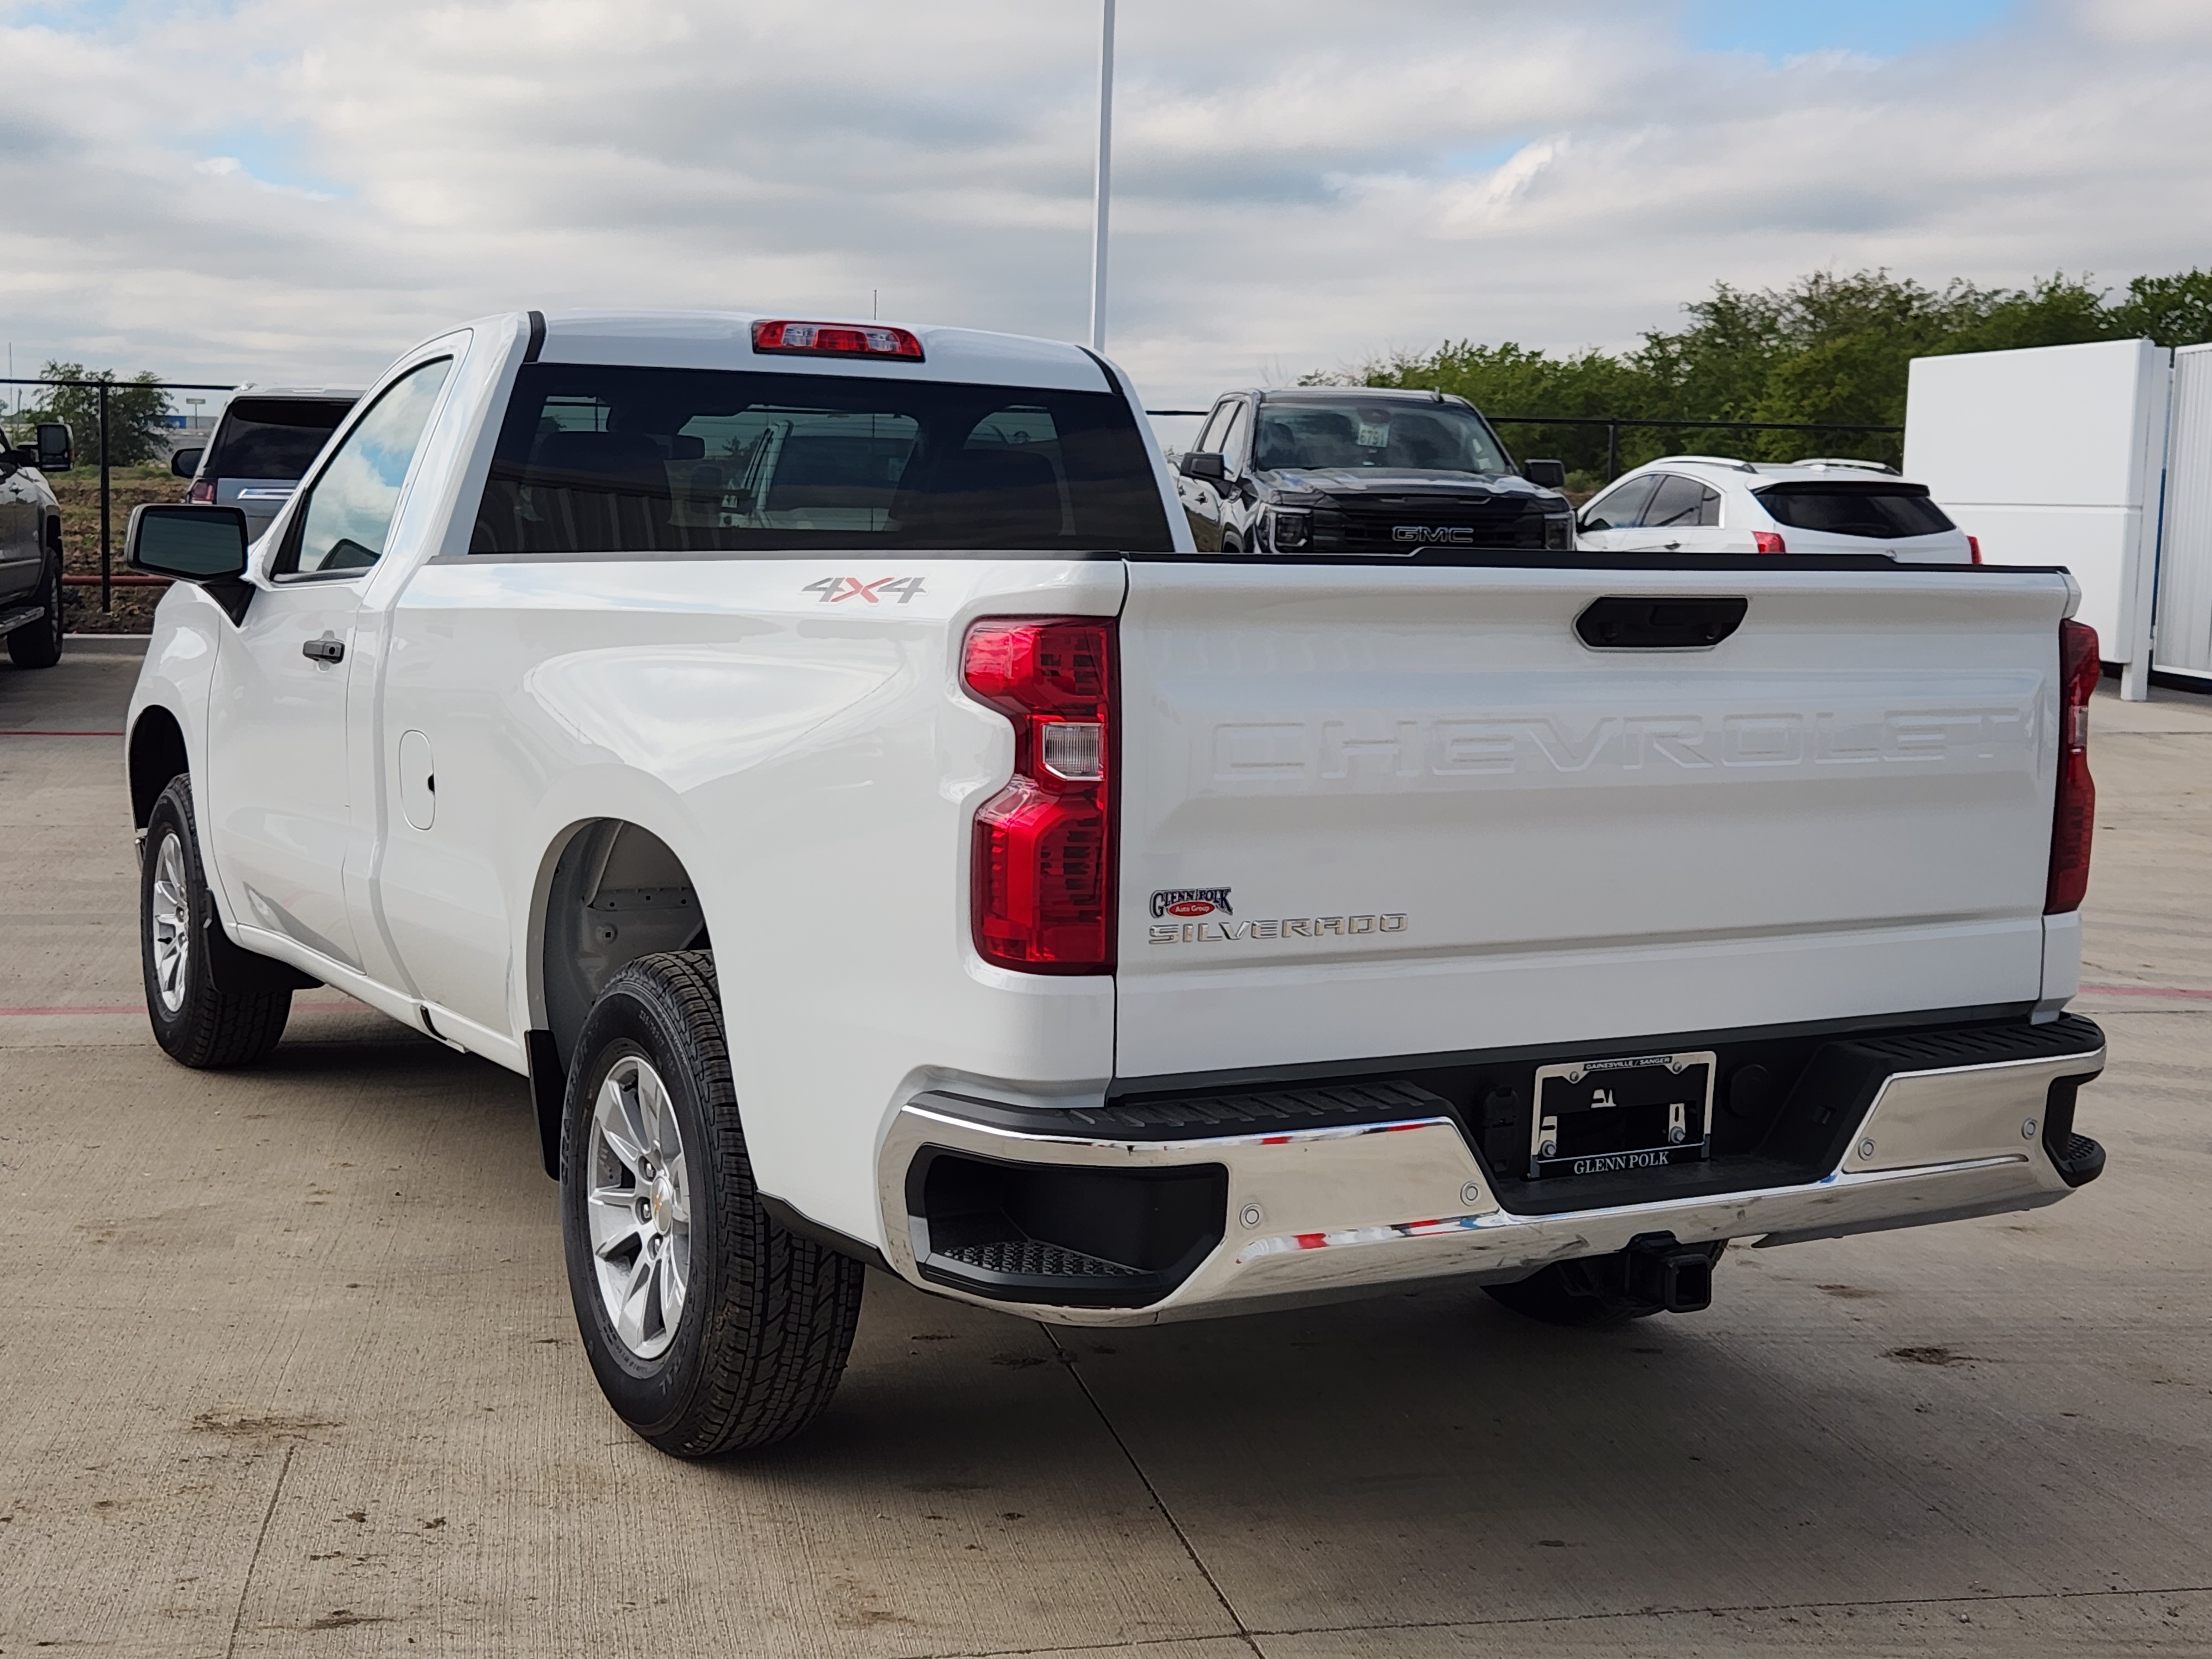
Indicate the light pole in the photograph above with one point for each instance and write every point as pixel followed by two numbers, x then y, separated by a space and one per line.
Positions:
pixel 1103 184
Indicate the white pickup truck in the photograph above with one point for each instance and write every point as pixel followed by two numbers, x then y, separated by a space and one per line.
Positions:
pixel 817 755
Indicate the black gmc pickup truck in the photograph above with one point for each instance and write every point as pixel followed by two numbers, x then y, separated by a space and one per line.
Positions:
pixel 1331 471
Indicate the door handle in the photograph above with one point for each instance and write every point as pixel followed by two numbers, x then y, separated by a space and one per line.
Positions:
pixel 1617 623
pixel 328 648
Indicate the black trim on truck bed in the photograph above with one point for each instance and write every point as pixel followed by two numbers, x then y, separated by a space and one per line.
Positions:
pixel 1533 558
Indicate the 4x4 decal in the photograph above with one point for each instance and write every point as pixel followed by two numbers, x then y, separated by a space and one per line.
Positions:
pixel 835 590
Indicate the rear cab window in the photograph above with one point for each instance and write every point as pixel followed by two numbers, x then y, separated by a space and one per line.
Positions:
pixel 272 438
pixel 1882 511
pixel 599 458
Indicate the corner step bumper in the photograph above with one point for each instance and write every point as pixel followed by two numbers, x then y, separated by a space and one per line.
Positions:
pixel 1119 1214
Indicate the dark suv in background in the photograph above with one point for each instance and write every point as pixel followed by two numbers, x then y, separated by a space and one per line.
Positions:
pixel 262 447
pixel 31 548
pixel 1329 471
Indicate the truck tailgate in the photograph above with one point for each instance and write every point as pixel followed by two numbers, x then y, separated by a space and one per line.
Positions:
pixel 1374 813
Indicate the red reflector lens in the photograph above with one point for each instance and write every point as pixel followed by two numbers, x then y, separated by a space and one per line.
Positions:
pixel 2075 818
pixel 837 340
pixel 1765 541
pixel 1974 550
pixel 1044 845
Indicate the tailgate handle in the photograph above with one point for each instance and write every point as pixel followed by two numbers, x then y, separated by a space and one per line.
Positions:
pixel 1617 623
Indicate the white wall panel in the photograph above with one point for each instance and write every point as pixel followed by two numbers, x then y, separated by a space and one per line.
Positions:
pixel 2184 559
pixel 2053 456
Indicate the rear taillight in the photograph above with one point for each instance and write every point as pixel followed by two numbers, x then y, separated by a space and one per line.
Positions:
pixel 1767 541
pixel 203 491
pixel 1974 550
pixel 837 339
pixel 1043 877
pixel 2076 813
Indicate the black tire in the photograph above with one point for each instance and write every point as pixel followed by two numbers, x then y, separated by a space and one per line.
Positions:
pixel 39 645
pixel 195 1024
pixel 766 1318
pixel 1588 1295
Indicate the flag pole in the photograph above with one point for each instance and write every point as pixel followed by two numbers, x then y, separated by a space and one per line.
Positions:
pixel 1103 190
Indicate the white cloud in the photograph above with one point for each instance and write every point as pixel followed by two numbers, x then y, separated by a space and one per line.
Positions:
pixel 302 187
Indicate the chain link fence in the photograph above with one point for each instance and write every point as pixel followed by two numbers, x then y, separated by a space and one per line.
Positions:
pixel 101 452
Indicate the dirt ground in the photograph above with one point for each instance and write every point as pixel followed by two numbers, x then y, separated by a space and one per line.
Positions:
pixel 78 492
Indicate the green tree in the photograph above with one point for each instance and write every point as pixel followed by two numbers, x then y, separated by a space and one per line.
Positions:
pixel 134 408
pixel 2174 310
pixel 1827 348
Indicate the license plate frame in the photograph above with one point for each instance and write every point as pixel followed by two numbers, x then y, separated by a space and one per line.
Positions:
pixel 1580 1123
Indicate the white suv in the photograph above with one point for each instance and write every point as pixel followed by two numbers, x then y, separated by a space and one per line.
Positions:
pixel 1710 504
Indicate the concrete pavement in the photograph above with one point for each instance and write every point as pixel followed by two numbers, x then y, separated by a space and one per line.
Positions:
pixel 290 1369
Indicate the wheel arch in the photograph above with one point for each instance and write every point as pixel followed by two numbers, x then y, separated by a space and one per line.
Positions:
pixel 609 891
pixel 157 753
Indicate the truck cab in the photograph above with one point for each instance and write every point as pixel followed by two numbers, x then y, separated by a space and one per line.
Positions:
pixel 1328 472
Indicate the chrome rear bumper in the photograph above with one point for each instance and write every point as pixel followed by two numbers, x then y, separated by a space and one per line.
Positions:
pixel 1320 1213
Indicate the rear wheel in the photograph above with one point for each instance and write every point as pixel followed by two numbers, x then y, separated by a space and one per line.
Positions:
pixel 195 1024
pixel 39 645
pixel 710 1328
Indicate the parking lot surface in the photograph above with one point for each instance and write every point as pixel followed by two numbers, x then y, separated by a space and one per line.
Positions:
pixel 290 1368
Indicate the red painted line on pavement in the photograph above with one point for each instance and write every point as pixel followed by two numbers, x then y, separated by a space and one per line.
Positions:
pixel 2143 991
pixel 140 1008
pixel 25 732
pixel 120 1008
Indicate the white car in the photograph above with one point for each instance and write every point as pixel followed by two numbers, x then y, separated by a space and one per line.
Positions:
pixel 817 755
pixel 1711 504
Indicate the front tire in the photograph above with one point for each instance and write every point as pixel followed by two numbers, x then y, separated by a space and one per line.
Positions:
pixel 40 644
pixel 195 1024
pixel 710 1328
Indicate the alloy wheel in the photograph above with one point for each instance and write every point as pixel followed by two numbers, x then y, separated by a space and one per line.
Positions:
pixel 170 917
pixel 639 1207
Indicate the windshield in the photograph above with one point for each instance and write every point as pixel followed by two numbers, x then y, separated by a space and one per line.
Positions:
pixel 602 460
pixel 272 437
pixel 1401 436
pixel 1883 511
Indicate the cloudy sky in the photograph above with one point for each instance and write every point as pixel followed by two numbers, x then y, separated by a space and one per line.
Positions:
pixel 297 189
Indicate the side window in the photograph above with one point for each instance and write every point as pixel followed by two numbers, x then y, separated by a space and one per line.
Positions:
pixel 1620 509
pixel 1239 438
pixel 1216 428
pixel 1709 510
pixel 351 505
pixel 1675 504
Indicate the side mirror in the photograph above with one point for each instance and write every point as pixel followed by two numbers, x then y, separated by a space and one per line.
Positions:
pixel 188 543
pixel 1546 474
pixel 53 447
pixel 185 462
pixel 1206 464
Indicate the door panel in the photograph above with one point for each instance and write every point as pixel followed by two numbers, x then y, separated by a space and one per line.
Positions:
pixel 276 808
pixel 20 553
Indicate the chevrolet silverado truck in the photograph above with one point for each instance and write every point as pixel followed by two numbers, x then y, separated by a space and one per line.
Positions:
pixel 819 757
